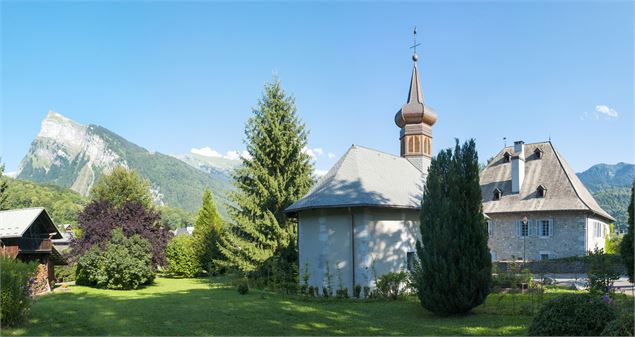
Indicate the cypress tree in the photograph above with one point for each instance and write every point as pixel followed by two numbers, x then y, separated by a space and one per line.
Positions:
pixel 626 247
pixel 454 270
pixel 207 232
pixel 260 237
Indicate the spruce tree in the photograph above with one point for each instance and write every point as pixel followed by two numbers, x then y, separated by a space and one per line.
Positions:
pixel 277 174
pixel 207 231
pixel 626 247
pixel 454 270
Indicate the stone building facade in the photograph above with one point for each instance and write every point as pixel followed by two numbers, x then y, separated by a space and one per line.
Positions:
pixel 537 207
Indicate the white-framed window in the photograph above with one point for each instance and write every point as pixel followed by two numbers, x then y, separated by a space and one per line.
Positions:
pixel 545 228
pixel 490 228
pixel 523 228
pixel 598 229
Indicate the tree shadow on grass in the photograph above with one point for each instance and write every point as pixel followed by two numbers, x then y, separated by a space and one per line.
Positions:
pixel 222 311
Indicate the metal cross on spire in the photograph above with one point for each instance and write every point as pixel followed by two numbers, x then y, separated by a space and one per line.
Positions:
pixel 414 45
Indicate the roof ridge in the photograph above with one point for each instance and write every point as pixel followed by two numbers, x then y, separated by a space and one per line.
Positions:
pixel 22 209
pixel 375 150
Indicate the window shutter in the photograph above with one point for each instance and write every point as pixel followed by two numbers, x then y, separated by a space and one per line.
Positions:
pixel 530 225
pixel 518 228
pixel 550 227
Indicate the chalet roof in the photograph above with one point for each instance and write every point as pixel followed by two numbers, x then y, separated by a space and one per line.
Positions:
pixel 14 223
pixel 566 191
pixel 365 177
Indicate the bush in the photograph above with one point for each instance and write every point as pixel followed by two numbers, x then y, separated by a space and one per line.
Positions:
pixel 182 258
pixel 572 315
pixel 602 271
pixel 16 290
pixel 392 285
pixel 125 263
pixel 242 286
pixel 65 273
pixel 622 326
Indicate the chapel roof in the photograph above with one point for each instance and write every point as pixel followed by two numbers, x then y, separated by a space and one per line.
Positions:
pixel 565 190
pixel 365 177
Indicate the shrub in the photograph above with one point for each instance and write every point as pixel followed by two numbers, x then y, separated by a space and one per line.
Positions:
pixel 572 315
pixel 125 263
pixel 16 292
pixel 602 272
pixel 242 286
pixel 622 326
pixel 357 291
pixel 65 273
pixel 392 285
pixel 183 261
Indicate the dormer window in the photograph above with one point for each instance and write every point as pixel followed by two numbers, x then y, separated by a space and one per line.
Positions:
pixel 541 191
pixel 507 157
pixel 497 194
pixel 538 153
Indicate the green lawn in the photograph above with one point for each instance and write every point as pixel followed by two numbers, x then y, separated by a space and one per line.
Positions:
pixel 192 307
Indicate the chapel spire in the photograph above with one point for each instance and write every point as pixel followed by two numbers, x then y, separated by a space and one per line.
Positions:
pixel 415 120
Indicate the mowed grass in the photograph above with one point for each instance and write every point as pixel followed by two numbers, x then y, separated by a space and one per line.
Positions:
pixel 193 307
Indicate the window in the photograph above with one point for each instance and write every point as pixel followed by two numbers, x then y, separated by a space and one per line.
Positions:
pixel 538 153
pixel 544 256
pixel 493 253
pixel 507 157
pixel 541 191
pixel 490 228
pixel 410 262
pixel 497 194
pixel 545 228
pixel 522 228
pixel 599 229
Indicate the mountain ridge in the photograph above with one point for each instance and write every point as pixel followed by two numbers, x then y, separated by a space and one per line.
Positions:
pixel 72 155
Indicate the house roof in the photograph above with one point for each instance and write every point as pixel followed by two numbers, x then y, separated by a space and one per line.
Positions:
pixel 15 222
pixel 565 190
pixel 366 177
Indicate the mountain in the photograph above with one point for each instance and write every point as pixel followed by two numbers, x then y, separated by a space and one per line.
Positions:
pixel 69 154
pixel 611 187
pixel 213 165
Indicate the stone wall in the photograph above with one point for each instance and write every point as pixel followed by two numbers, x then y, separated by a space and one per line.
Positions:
pixel 567 237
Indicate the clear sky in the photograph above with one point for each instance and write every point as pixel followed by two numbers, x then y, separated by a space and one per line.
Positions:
pixel 176 76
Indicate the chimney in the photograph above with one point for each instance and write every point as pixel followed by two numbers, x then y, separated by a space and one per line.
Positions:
pixel 518 166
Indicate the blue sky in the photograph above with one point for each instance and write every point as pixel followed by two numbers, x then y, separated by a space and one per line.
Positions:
pixel 176 76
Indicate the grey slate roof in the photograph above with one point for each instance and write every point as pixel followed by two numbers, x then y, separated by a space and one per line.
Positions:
pixel 13 223
pixel 365 177
pixel 564 190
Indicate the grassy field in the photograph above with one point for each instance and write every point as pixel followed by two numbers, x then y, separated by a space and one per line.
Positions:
pixel 194 307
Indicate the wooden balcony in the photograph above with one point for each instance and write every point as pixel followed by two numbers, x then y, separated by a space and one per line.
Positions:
pixel 32 245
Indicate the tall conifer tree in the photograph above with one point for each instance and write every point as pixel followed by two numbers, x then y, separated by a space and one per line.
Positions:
pixel 3 189
pixel 277 174
pixel 626 247
pixel 207 232
pixel 454 271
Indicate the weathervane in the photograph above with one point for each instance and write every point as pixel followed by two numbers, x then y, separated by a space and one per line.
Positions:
pixel 414 45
